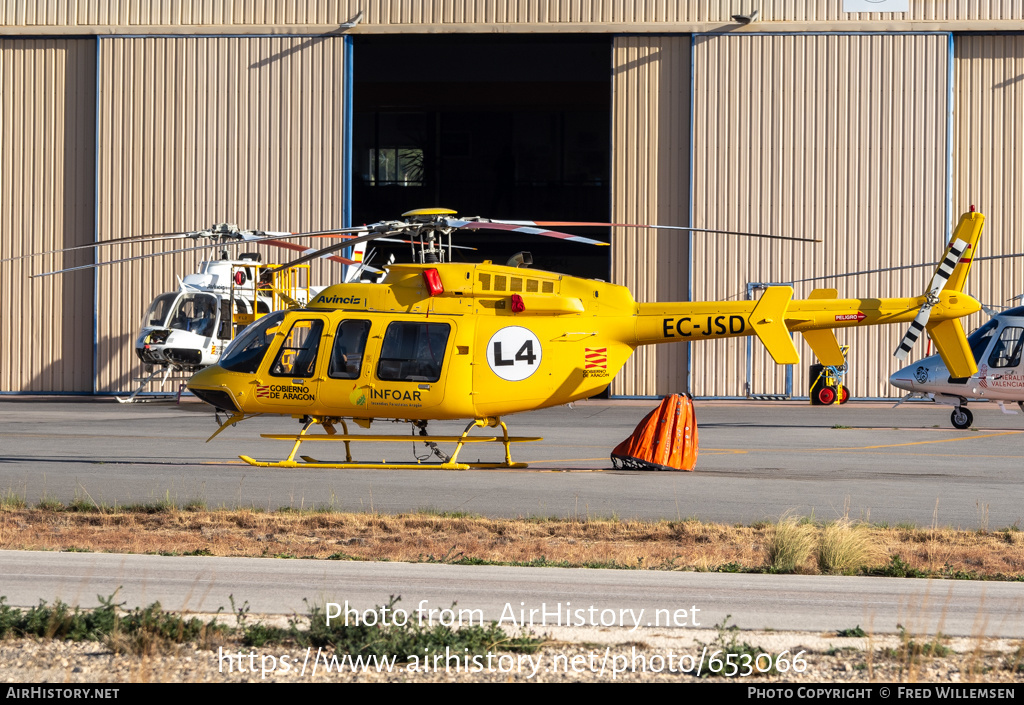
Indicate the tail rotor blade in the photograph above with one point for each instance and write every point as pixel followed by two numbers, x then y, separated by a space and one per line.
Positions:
pixel 913 333
pixel 939 279
pixel 946 267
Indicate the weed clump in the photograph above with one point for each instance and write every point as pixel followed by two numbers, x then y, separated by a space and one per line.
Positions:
pixel 730 657
pixel 844 547
pixel 413 637
pixel 851 633
pixel 790 545
pixel 144 630
pixel 897 568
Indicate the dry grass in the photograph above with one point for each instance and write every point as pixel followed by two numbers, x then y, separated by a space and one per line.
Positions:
pixel 790 545
pixel 665 545
pixel 843 547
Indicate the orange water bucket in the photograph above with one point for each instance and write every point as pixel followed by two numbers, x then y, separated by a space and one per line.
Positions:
pixel 665 440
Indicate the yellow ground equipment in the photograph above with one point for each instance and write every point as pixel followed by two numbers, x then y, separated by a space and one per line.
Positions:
pixel 827 382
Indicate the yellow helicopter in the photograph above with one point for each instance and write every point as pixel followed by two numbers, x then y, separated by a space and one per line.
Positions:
pixel 438 340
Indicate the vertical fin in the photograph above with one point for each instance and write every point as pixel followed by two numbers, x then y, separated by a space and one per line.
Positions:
pixel 951 342
pixel 825 346
pixel 969 230
pixel 768 321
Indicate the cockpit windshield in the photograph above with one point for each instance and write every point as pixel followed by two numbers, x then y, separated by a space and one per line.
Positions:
pixel 156 314
pixel 196 313
pixel 979 339
pixel 247 350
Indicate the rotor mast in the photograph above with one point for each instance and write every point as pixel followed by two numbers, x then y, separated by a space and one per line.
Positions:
pixel 431 239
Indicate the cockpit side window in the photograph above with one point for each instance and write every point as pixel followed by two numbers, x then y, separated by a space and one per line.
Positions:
pixel 247 350
pixel 413 352
pixel 347 354
pixel 979 340
pixel 195 313
pixel 1006 352
pixel 157 312
pixel 297 356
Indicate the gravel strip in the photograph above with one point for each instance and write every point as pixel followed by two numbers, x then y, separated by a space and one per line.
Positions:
pixel 569 657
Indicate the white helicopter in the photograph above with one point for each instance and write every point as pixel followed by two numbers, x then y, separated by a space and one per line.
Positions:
pixel 996 347
pixel 188 329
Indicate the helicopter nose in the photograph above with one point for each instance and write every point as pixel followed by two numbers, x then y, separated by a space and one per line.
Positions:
pixel 903 379
pixel 206 385
pixel 201 379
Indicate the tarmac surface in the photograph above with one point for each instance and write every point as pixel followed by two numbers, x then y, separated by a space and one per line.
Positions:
pixel 758 460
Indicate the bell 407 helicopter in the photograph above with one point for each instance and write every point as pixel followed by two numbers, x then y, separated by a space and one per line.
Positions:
pixel 440 340
pixel 996 348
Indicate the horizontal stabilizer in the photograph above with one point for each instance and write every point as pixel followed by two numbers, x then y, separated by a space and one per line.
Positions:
pixel 824 294
pixel 951 342
pixel 825 346
pixel 768 321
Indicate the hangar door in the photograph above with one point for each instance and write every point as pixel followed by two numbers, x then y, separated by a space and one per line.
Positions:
pixel 837 137
pixel 47 127
pixel 989 159
pixel 201 130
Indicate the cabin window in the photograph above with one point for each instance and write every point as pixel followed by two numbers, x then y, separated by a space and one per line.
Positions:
pixel 224 329
pixel 413 352
pixel 195 313
pixel 980 338
pixel 347 354
pixel 246 352
pixel 1006 352
pixel 297 356
pixel 158 310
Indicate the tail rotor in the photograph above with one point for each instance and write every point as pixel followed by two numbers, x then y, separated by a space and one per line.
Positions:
pixel 939 279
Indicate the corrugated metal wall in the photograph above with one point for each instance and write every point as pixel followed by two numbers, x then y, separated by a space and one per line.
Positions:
pixel 424 15
pixel 47 125
pixel 197 131
pixel 841 137
pixel 988 165
pixel 650 185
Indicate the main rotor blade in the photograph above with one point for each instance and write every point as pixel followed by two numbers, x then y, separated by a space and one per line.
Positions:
pixel 518 228
pixel 393 228
pixel 897 269
pixel 102 243
pixel 567 223
pixel 295 247
pixel 251 241
pixel 406 242
pixel 246 235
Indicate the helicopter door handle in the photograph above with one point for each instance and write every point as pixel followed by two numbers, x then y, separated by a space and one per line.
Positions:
pixel 572 337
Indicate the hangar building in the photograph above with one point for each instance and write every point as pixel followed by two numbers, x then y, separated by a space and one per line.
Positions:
pixel 869 130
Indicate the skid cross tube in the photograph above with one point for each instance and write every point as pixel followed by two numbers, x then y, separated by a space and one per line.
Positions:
pixel 450 464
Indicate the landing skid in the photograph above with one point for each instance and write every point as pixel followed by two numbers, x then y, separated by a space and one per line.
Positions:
pixel 451 463
pixel 160 395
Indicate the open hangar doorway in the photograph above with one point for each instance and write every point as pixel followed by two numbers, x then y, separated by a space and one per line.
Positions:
pixel 510 126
